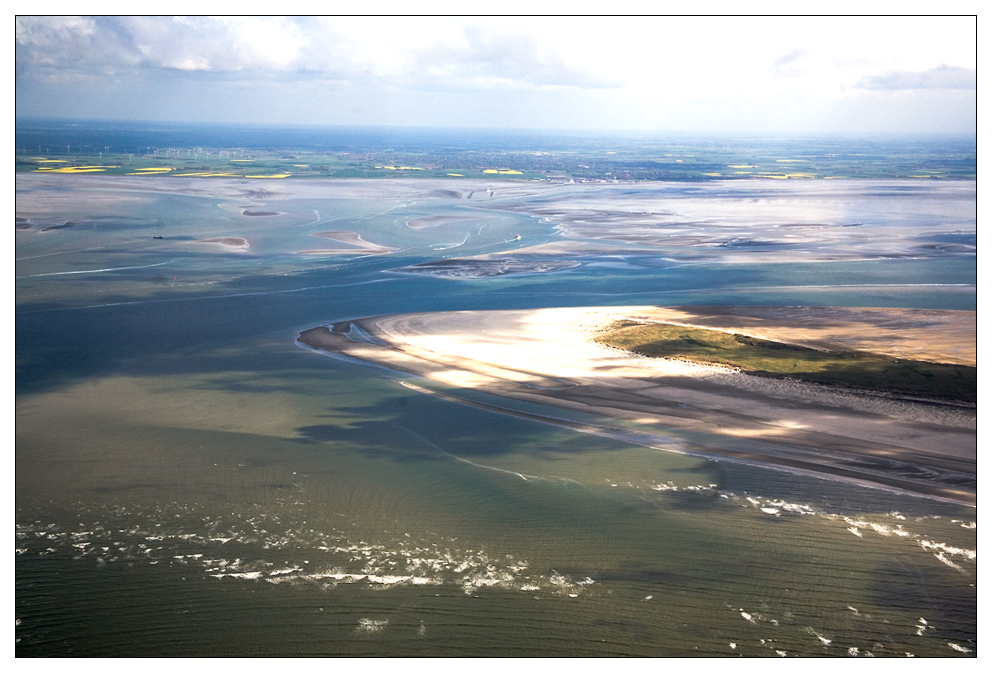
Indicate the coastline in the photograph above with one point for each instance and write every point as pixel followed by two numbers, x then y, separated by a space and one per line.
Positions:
pixel 545 356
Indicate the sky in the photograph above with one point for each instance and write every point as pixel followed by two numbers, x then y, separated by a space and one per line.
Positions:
pixel 671 73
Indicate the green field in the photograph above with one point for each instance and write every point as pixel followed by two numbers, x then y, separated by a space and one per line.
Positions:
pixel 860 370
pixel 554 160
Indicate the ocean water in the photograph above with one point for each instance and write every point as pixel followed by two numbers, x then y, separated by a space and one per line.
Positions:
pixel 190 481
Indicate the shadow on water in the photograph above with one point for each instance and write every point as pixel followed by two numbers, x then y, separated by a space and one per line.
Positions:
pixel 680 501
pixel 949 608
pixel 359 434
pixel 421 429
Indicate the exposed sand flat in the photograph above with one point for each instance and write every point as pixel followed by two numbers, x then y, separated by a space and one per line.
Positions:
pixel 431 221
pixel 227 242
pixel 352 240
pixel 102 188
pixel 546 356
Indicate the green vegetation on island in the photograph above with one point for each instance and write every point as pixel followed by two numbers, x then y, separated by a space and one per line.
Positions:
pixel 850 369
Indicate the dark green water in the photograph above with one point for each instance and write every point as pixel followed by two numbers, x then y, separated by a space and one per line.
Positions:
pixel 190 482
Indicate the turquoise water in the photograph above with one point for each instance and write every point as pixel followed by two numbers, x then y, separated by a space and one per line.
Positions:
pixel 191 482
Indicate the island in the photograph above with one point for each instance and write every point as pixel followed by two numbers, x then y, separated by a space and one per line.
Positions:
pixel 570 367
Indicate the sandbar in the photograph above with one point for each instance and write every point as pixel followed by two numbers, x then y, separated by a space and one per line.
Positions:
pixel 547 357
pixel 431 221
pixel 352 242
pixel 227 241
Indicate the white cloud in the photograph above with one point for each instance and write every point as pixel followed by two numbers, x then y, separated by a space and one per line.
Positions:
pixel 943 77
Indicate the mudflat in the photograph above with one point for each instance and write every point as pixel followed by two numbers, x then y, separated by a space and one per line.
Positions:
pixel 547 357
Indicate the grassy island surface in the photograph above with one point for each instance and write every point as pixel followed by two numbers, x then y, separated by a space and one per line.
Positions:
pixel 853 369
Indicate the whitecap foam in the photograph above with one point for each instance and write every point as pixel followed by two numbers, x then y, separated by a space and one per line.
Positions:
pixel 948 562
pixel 371 626
pixel 969 554
pixel 254 575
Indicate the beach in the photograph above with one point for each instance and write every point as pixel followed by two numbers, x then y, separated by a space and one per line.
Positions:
pixel 547 357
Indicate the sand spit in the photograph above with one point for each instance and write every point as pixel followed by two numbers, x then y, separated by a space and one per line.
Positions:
pixel 352 242
pixel 546 356
pixel 432 221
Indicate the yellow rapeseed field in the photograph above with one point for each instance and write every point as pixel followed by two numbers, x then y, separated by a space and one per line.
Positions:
pixel 209 175
pixel 75 169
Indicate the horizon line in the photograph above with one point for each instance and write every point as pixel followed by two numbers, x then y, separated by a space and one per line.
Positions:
pixel 502 129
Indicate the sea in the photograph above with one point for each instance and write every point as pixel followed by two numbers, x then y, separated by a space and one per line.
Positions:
pixel 192 482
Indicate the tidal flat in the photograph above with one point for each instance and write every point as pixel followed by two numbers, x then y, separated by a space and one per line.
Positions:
pixel 191 481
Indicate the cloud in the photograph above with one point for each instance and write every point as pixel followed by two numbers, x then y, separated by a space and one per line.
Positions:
pixel 58 47
pixel 786 62
pixel 943 77
pixel 99 44
pixel 430 55
pixel 484 57
pixel 637 72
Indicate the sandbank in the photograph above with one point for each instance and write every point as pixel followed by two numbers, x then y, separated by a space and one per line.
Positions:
pixel 546 356
pixel 352 242
pixel 227 242
pixel 431 221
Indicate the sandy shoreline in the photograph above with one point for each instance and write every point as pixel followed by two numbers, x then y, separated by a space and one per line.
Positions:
pixel 545 356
